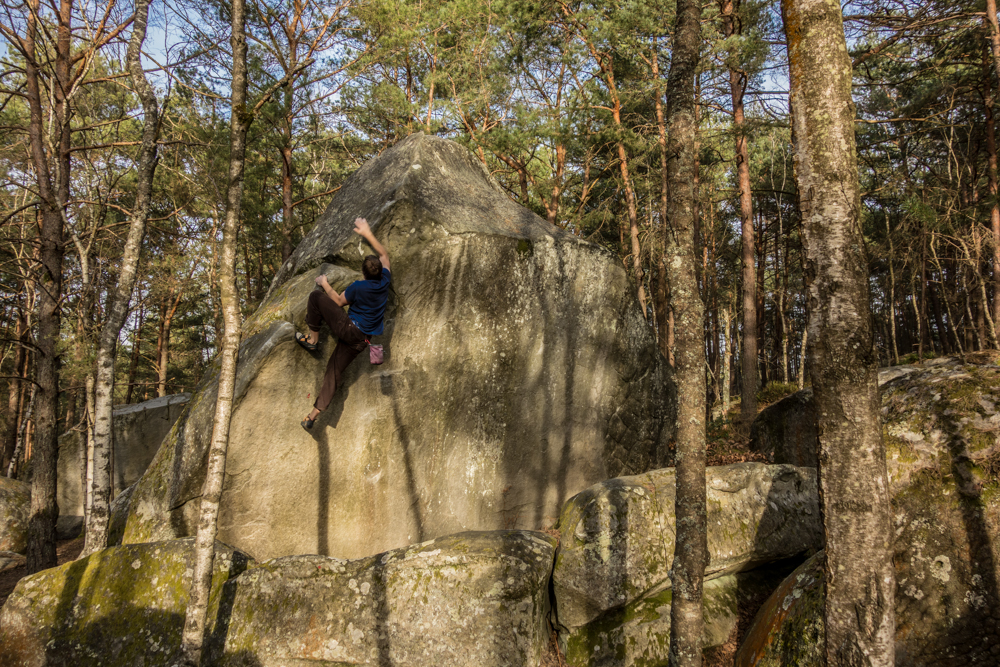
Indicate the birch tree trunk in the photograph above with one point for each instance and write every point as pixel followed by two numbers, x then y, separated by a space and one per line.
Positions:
pixel 854 495
pixel 687 574
pixel 204 547
pixel 101 485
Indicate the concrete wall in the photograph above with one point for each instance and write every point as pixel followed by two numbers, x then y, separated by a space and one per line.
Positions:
pixel 138 431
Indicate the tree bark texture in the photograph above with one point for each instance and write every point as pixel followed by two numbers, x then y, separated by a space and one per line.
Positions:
pixel 687 575
pixel 204 548
pixel 117 310
pixel 53 193
pixel 854 498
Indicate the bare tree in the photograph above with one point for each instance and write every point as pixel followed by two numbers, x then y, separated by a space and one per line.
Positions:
pixel 854 493
pixel 690 552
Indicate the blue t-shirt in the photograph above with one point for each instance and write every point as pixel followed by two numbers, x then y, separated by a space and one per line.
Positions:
pixel 367 299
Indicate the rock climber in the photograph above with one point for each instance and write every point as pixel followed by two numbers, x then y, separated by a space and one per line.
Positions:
pixel 367 299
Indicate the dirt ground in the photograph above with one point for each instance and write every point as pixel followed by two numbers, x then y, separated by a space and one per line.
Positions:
pixel 66 551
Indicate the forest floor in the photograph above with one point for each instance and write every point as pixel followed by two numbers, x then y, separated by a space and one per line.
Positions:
pixel 66 550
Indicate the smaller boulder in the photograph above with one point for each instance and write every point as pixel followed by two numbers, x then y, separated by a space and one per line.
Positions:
pixel 475 598
pixel 15 506
pixel 617 537
pixel 121 606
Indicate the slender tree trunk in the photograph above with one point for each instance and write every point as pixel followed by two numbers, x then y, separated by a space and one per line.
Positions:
pixel 727 355
pixel 54 193
pixel 690 552
pixel 133 364
pixel 991 151
pixel 163 342
pixel 117 310
pixel 854 494
pixel 204 549
pixel 15 390
pixel 737 89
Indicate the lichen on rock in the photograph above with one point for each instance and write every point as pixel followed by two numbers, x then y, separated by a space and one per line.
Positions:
pixel 941 427
pixel 477 598
pixel 617 543
pixel 119 607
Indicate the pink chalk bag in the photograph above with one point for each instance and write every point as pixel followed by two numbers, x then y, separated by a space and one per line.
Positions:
pixel 374 353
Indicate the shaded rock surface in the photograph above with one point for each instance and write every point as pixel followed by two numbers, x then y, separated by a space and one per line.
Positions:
pixel 941 427
pixel 477 598
pixel 617 537
pixel 15 507
pixel 120 607
pixel 138 430
pixel 638 634
pixel 518 372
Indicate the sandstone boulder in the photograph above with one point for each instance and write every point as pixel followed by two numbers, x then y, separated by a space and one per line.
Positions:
pixel 941 427
pixel 122 606
pixel 638 634
pixel 518 372
pixel 466 599
pixel 15 507
pixel 138 431
pixel 617 544
pixel 786 431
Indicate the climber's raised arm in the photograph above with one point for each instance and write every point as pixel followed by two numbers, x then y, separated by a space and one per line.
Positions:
pixel 361 227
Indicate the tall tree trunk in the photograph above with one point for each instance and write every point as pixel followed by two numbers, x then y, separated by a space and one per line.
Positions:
pixel 991 151
pixel 854 494
pixel 204 548
pixel 53 193
pixel 117 310
pixel 737 89
pixel 690 552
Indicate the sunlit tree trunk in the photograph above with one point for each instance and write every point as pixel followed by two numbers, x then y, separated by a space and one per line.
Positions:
pixel 102 456
pixel 854 495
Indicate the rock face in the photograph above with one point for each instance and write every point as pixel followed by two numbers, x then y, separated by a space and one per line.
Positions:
pixel 123 606
pixel 15 507
pixel 465 599
pixel 786 430
pixel 617 545
pixel 138 431
pixel 477 598
pixel 941 430
pixel 518 372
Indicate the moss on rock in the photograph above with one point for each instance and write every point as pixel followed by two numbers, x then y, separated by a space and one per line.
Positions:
pixel 119 607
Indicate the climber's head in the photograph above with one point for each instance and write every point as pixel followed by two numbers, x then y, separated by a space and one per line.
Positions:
pixel 371 268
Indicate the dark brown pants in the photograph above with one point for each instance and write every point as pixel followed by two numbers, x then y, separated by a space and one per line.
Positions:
pixel 350 341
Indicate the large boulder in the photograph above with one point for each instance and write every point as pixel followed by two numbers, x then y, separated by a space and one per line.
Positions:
pixel 940 427
pixel 478 598
pixel 15 507
pixel 137 432
pixel 122 606
pixel 518 371
pixel 617 545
